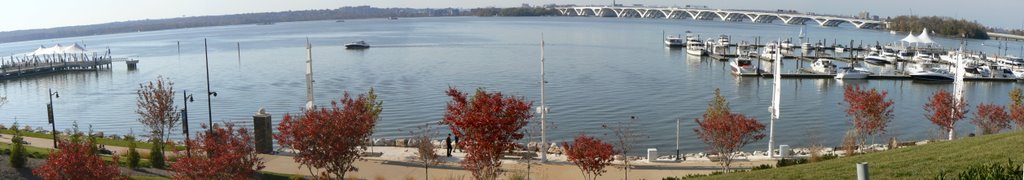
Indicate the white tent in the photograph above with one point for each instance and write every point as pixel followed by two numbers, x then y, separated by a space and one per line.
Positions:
pixel 58 49
pixel 923 38
pixel 911 38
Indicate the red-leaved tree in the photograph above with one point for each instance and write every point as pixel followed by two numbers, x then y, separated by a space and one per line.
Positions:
pixel 990 118
pixel 726 132
pixel 226 154
pixel 331 139
pixel 1016 107
pixel 76 160
pixel 944 112
pixel 489 125
pixel 870 109
pixel 590 154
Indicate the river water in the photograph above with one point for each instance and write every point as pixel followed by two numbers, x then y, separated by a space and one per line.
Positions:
pixel 599 71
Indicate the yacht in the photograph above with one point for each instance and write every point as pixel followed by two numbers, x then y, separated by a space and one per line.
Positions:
pixel 1010 60
pixel 694 47
pixel 357 45
pixel 806 46
pixel 976 72
pixel 674 41
pixel 839 49
pixel 786 44
pixel 925 58
pixel 876 59
pixel 824 66
pixel 929 72
pixel 723 41
pixel 743 65
pixel 851 73
pixel 771 52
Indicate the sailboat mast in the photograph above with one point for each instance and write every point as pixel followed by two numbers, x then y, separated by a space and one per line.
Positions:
pixel 543 107
pixel 309 76
pixel 776 92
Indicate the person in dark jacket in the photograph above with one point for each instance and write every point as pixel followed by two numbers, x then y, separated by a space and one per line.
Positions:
pixel 448 143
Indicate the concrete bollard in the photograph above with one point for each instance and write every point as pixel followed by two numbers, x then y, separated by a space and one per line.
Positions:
pixel 862 171
pixel 263 131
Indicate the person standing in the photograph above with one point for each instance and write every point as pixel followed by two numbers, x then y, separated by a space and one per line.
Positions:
pixel 457 144
pixel 448 143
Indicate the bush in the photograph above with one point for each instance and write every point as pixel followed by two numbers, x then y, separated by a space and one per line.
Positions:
pixel 18 152
pixel 156 157
pixel 828 157
pixel 1010 170
pixel 789 162
pixel 761 167
pixel 133 155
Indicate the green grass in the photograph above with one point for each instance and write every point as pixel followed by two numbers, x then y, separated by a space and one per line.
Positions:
pixel 104 141
pixel 29 149
pixel 916 162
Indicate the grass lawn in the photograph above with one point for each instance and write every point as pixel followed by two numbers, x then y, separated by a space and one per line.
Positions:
pixel 104 141
pixel 915 162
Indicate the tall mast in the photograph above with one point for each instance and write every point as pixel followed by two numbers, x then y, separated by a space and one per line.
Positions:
pixel 776 98
pixel 958 84
pixel 309 76
pixel 543 107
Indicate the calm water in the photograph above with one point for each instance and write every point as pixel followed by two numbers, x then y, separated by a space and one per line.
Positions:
pixel 600 70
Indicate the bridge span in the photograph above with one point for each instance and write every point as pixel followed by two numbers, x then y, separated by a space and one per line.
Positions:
pixel 722 14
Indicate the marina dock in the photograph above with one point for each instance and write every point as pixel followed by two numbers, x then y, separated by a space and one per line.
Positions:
pixel 36 65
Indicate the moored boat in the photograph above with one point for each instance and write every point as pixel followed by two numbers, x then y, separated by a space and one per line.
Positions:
pixel 357 45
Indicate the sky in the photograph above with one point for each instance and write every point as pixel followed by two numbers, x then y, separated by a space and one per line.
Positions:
pixel 35 14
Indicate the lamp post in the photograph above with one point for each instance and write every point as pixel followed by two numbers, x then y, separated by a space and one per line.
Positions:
pixel 49 113
pixel 184 120
pixel 678 121
pixel 209 103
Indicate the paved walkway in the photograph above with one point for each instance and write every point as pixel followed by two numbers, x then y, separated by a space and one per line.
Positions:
pixel 399 163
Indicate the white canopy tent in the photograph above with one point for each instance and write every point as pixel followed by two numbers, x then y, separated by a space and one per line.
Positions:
pixel 910 39
pixel 923 38
pixel 58 49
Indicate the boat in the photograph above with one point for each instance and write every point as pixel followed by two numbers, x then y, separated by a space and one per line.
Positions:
pixel 975 72
pixel 929 72
pixel 839 49
pixel 824 66
pixel 923 57
pixel 771 51
pixel 851 73
pixel 694 47
pixel 743 65
pixel 392 18
pixel 674 41
pixel 723 41
pixel 357 45
pixel 876 59
pixel 786 44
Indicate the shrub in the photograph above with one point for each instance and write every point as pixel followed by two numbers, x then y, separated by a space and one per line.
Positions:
pixel 789 162
pixel 761 167
pixel 1010 170
pixel 133 155
pixel 18 158
pixel 156 157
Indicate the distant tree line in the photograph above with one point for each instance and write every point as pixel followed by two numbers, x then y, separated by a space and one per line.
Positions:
pixel 221 20
pixel 515 11
pixel 1017 32
pixel 944 26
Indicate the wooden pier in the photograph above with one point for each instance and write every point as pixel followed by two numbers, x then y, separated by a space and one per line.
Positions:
pixel 45 64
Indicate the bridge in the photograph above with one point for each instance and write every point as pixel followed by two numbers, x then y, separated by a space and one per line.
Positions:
pixel 724 15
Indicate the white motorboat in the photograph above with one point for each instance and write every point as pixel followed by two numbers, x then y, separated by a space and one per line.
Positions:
pixel 723 41
pixel 674 41
pixel 839 49
pixel 694 47
pixel 874 58
pixel 786 44
pixel 928 72
pixel 771 52
pixel 824 66
pixel 806 46
pixel 976 72
pixel 357 45
pixel 925 58
pixel 851 73
pixel 743 65
pixel 1010 60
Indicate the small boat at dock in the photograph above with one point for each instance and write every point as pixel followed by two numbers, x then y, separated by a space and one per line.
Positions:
pixel 694 46
pixel 851 73
pixel 674 41
pixel 743 65
pixel 824 66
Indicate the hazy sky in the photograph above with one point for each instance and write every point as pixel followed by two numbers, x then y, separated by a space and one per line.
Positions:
pixel 33 14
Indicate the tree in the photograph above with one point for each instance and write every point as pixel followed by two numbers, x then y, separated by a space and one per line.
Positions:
pixel 133 154
pixel 591 155
pixel 489 125
pixel 227 153
pixel 991 118
pixel 944 112
pixel 626 135
pixel 1016 108
pixel 425 149
pixel 157 111
pixel 726 132
pixel 18 153
pixel 75 159
pixel 870 109
pixel 331 138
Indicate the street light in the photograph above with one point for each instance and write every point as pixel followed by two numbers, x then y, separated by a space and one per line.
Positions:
pixel 49 113
pixel 184 120
pixel 209 103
